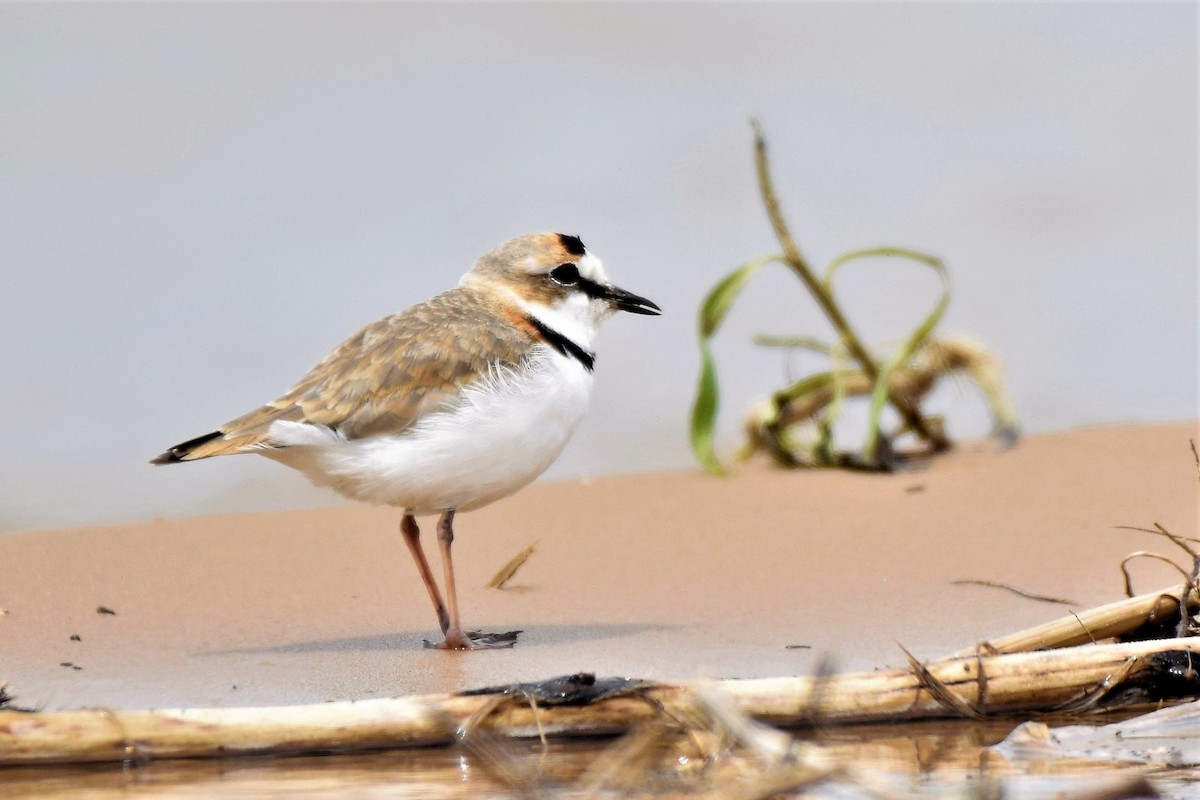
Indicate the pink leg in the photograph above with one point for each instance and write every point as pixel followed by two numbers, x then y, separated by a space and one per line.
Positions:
pixel 412 538
pixel 455 638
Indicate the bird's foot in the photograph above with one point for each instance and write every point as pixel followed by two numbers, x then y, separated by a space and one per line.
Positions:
pixel 475 640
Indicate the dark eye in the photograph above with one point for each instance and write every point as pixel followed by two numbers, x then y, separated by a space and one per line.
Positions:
pixel 566 274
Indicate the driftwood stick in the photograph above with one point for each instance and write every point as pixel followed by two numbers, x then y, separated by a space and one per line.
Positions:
pixel 988 684
pixel 1017 682
pixel 1102 622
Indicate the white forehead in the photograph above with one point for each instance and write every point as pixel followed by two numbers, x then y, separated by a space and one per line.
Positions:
pixel 591 268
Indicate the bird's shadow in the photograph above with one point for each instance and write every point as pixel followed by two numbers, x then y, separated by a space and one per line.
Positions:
pixel 537 636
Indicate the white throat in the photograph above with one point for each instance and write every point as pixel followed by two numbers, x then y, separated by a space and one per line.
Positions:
pixel 572 318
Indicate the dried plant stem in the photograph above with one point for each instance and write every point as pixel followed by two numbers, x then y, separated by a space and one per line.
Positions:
pixel 1102 622
pixel 507 572
pixel 1041 598
pixel 794 259
pixel 1044 681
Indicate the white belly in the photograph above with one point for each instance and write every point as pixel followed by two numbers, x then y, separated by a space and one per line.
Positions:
pixel 504 433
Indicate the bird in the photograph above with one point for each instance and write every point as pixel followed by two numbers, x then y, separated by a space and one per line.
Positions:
pixel 448 406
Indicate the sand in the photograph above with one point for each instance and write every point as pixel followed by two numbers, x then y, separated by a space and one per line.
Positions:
pixel 668 575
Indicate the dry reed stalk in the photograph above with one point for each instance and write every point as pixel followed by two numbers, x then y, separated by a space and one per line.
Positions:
pixel 1102 622
pixel 507 572
pixel 1052 680
pixel 1076 678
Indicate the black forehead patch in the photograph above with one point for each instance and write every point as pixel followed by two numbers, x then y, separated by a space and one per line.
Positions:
pixel 572 244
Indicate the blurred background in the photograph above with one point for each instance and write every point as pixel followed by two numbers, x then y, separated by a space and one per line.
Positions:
pixel 199 201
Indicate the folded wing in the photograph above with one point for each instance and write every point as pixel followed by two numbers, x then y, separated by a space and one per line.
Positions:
pixel 384 378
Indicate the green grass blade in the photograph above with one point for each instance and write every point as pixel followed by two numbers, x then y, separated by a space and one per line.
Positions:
pixel 704 415
pixel 712 313
pixel 718 301
pixel 903 353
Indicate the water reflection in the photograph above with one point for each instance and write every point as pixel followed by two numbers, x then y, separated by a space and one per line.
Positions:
pixel 931 759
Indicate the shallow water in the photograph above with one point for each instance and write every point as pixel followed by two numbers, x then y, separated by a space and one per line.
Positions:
pixel 932 759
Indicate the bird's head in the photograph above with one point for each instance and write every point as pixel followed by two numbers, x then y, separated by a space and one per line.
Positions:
pixel 555 278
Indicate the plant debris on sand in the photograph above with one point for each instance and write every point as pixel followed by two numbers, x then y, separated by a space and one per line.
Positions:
pixel 795 425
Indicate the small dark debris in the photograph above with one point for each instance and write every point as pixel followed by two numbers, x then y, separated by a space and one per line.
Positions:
pixel 580 689
pixel 915 488
pixel 1160 677
pixel 75 667
pixel 76 638
pixel 1174 674
pixel 7 701
pixel 797 647
pixel 1162 622
pixel 105 610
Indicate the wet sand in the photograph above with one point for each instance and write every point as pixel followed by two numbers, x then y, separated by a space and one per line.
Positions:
pixel 670 575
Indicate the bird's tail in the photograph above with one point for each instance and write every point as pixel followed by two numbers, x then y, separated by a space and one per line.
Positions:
pixel 210 444
pixel 246 434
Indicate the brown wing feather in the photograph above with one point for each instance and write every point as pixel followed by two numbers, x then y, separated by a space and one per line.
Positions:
pixel 386 376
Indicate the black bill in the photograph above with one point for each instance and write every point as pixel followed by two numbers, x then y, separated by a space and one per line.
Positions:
pixel 628 301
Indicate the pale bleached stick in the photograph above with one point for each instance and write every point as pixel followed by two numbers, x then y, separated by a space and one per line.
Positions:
pixel 1095 624
pixel 1026 682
